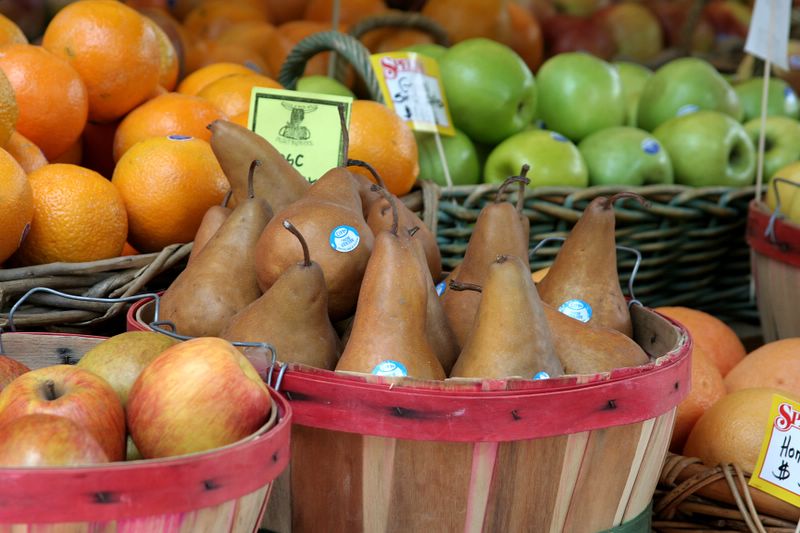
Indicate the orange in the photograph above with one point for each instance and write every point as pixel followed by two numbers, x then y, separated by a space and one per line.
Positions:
pixel 209 19
pixel 78 215
pixel 381 138
pixel 16 205
pixel 98 147
pixel 524 35
pixel 51 97
pixel 71 155
pixel 27 154
pixel 286 38
pixel 197 80
pixel 466 19
pixel 285 10
pixel 241 119
pixel 128 250
pixel 251 35
pixel 169 65
pixel 204 53
pixel 350 11
pixel 707 387
pixel 115 51
pixel 731 431
pixel 776 365
pixel 710 334
pixel 9 111
pixel 170 113
pixel 231 94
pixel 168 183
pixel 174 31
pixel 10 33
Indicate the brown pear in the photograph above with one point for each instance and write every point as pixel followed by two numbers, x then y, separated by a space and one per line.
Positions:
pixel 330 218
pixel 292 316
pixel 235 146
pixel 379 217
pixel 499 230
pixel 221 280
pixel 583 279
pixel 440 334
pixel 388 335
pixel 586 349
pixel 212 220
pixel 510 336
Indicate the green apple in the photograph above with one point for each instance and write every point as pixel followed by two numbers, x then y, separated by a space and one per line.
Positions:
pixel 554 160
pixel 781 142
pixel 633 77
pixel 625 156
pixel 490 90
pixel 683 86
pixel 323 85
pixel 436 51
pixel 781 98
pixel 789 192
pixel 459 153
pixel 579 94
pixel 708 148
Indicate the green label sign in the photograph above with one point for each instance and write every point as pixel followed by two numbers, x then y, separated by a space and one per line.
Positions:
pixel 305 127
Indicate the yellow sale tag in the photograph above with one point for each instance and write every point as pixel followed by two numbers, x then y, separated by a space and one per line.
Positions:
pixel 305 128
pixel 412 86
pixel 777 471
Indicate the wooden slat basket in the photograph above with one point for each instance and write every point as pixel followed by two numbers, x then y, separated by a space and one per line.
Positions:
pixel 218 491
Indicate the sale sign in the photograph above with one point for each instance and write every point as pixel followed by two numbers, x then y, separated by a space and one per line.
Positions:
pixel 777 471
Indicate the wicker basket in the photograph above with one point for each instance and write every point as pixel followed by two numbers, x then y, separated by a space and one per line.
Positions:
pixel 692 497
pixel 109 278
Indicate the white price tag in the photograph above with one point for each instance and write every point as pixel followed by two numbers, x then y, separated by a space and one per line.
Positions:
pixel 768 37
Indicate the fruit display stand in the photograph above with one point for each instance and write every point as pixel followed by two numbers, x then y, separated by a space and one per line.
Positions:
pixel 692 239
pixel 775 245
pixel 692 497
pixel 224 489
pixel 579 453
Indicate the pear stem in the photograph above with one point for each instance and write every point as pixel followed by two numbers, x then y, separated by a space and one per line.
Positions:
pixel 370 168
pixel 251 193
pixel 227 198
pixel 345 132
pixel 50 390
pixel 501 259
pixel 513 179
pixel 413 231
pixel 389 198
pixel 296 232
pixel 461 286
pixel 523 174
pixel 626 194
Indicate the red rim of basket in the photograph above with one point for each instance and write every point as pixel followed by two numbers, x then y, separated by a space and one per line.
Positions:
pixel 137 489
pixel 490 411
pixel 783 245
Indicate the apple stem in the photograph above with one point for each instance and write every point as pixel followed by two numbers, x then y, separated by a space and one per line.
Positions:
pixel 363 164
pixel 625 194
pixel 251 193
pixel 50 390
pixel 294 231
pixel 390 199
pixel 461 286
pixel 227 198
pixel 513 179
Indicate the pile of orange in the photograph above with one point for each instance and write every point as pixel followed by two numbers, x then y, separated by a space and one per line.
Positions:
pixel 725 415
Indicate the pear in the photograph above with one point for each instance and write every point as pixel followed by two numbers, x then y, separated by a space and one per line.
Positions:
pixel 121 358
pixel 583 279
pixel 212 220
pixel 499 230
pixel 388 336
pixel 221 280
pixel 292 315
pixel 330 217
pixel 587 349
pixel 236 146
pixel 510 336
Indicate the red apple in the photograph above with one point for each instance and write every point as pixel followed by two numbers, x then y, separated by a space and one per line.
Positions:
pixel 567 33
pixel 634 29
pixel 10 369
pixel 197 395
pixel 74 393
pixel 728 17
pixel 47 440
pixel 580 7
pixel 672 15
pixel 524 35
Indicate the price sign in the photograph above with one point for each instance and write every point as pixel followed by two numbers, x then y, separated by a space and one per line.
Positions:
pixel 777 471
pixel 412 86
pixel 305 128
pixel 768 36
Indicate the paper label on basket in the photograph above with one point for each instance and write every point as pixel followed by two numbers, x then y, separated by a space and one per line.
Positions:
pixel 777 470
pixel 390 368
pixel 304 127
pixel 411 85
pixel 577 309
pixel 768 37
pixel 344 238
